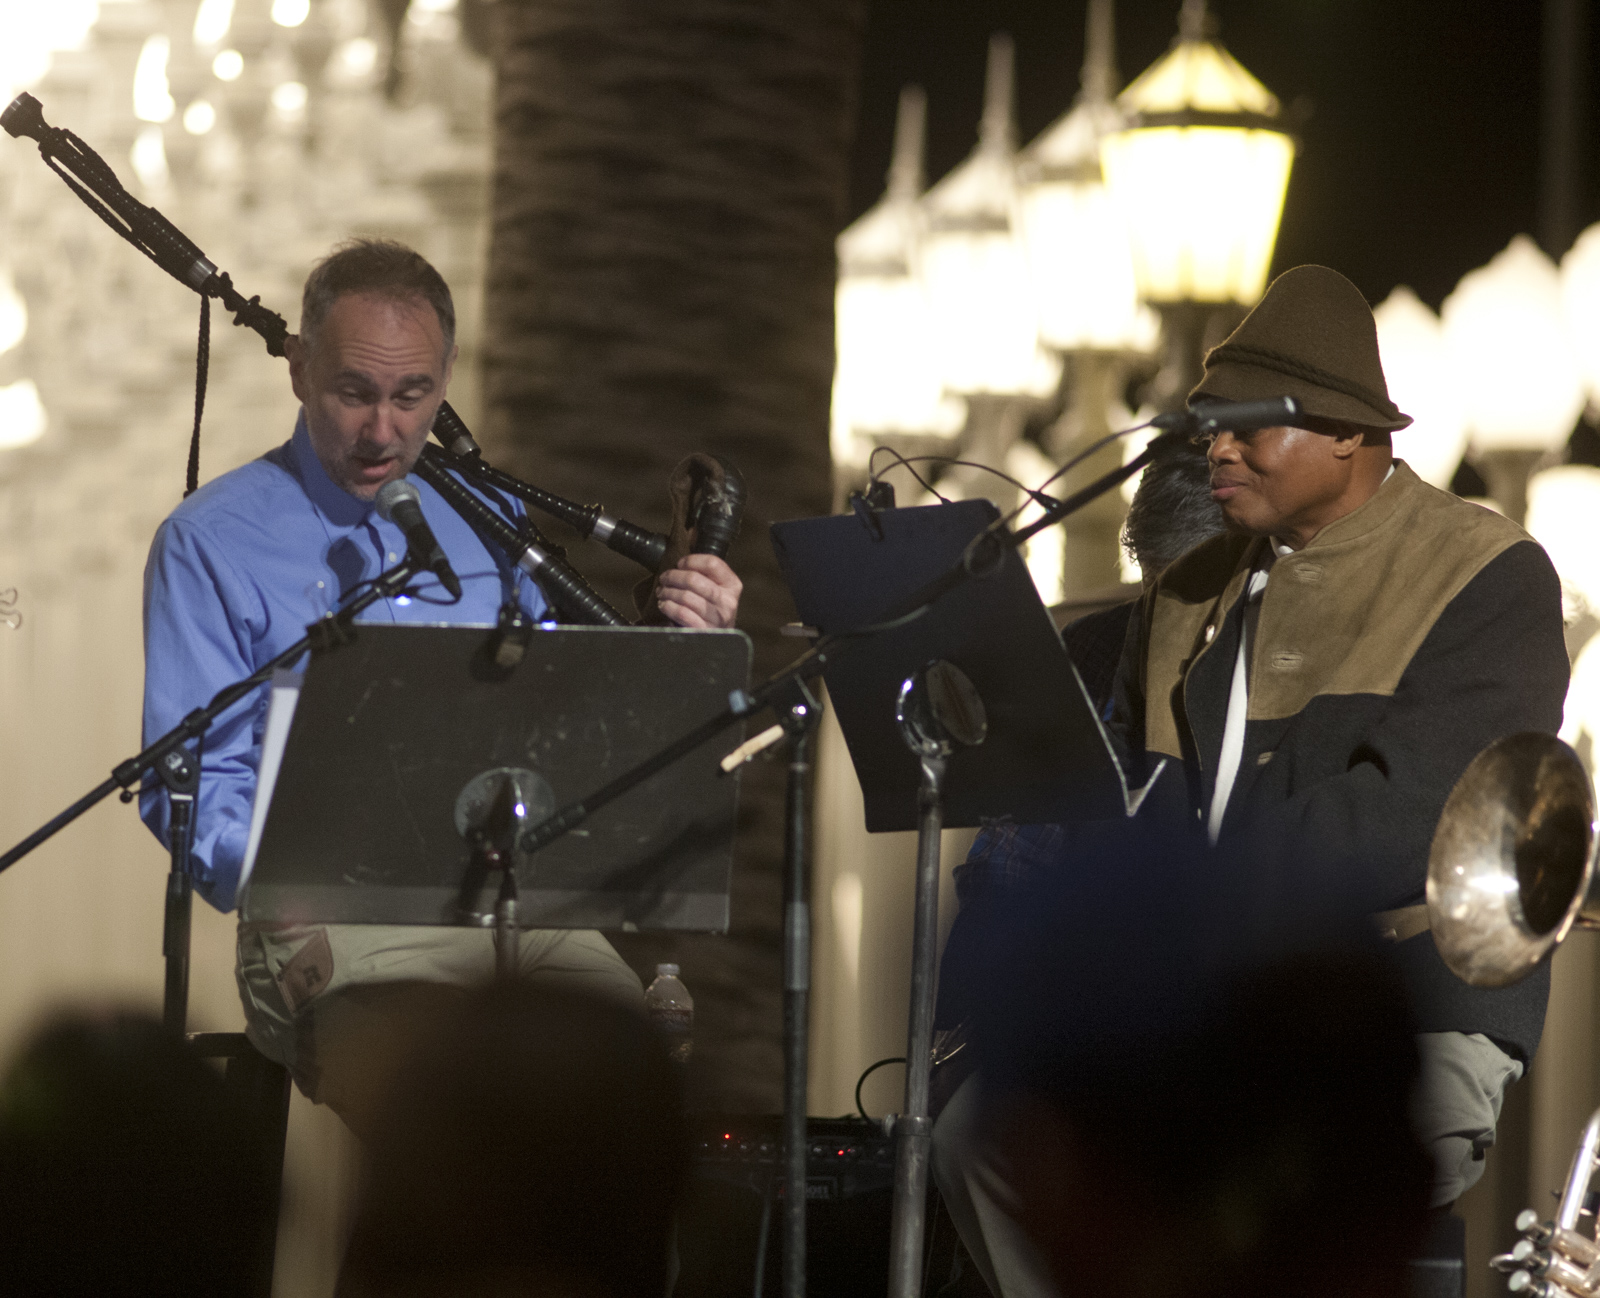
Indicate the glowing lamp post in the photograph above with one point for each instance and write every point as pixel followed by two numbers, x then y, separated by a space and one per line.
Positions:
pixel 1514 367
pixel 1200 175
pixel 1563 503
pixel 1080 264
pixel 1416 364
pixel 886 382
pixel 1580 306
pixel 1086 299
pixel 975 273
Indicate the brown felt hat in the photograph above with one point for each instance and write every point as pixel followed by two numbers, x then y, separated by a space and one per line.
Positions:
pixel 1312 337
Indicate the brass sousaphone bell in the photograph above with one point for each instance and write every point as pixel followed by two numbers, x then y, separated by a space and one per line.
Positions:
pixel 1512 868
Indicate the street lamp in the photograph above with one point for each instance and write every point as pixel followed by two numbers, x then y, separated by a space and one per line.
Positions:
pixel 1514 367
pixel 1563 503
pixel 975 273
pixel 1580 306
pixel 886 380
pixel 1200 175
pixel 1080 262
pixel 1086 298
pixel 1416 364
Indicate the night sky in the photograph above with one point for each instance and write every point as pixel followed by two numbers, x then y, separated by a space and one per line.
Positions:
pixel 1419 159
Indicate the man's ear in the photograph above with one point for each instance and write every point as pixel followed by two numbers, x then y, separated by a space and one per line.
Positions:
pixel 450 363
pixel 1347 441
pixel 296 354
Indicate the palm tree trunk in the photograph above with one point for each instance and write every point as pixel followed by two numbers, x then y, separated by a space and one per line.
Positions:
pixel 669 179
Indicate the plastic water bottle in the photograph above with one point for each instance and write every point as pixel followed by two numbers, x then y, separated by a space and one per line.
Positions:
pixel 671 1009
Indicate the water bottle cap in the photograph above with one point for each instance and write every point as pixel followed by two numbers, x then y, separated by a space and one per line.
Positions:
pixel 666 971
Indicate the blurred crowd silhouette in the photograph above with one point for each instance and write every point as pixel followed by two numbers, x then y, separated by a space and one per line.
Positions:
pixel 1191 1092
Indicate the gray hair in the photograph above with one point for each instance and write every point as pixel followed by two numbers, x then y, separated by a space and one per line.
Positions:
pixel 379 266
pixel 1172 511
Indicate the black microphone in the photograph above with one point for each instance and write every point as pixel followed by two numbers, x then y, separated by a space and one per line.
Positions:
pixel 401 504
pixel 1230 416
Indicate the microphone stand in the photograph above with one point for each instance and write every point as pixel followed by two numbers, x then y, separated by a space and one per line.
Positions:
pixel 179 769
pixel 787 695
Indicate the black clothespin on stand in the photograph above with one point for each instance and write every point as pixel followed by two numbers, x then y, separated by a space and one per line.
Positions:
pixel 865 505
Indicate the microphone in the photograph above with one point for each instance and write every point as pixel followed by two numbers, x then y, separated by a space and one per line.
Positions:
pixel 1230 416
pixel 400 503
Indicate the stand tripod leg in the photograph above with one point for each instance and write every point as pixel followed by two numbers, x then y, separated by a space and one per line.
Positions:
pixel 913 1128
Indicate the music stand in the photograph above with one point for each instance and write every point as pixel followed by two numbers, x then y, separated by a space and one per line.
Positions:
pixel 971 711
pixel 399 742
pixel 1047 756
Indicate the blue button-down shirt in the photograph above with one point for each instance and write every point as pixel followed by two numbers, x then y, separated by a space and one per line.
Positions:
pixel 235 574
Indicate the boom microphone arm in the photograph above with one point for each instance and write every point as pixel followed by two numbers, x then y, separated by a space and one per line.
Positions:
pixel 87 174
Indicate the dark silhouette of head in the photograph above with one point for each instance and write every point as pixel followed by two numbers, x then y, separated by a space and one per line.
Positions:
pixel 535 1144
pixel 1202 1091
pixel 1172 510
pixel 124 1166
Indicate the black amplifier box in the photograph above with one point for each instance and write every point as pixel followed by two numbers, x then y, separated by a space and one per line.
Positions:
pixel 732 1220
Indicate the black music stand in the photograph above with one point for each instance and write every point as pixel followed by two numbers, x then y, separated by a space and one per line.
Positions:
pixel 970 711
pixel 401 743
pixel 1046 757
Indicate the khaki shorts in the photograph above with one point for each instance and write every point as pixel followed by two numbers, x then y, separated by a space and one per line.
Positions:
pixel 336 1003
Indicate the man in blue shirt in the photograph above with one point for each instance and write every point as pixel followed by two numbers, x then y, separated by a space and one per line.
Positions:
pixel 235 574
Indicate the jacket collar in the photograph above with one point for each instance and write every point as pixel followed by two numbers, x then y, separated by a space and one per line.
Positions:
pixel 1387 502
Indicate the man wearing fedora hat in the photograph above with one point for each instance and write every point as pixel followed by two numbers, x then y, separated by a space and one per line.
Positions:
pixel 1318 677
pixel 1325 671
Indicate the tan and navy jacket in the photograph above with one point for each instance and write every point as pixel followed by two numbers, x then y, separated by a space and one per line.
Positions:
pixel 1385 655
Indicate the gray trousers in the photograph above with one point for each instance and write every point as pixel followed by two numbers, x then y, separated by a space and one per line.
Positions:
pixel 1454 1108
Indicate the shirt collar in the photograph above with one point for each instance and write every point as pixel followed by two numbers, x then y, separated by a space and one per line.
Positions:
pixel 336 504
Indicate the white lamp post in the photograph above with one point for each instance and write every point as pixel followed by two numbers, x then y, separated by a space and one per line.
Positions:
pixel 1563 503
pixel 974 269
pixel 1416 364
pixel 1563 506
pixel 1580 306
pixel 13 312
pixel 886 379
pixel 1080 262
pixel 1514 367
pixel 1200 175
pixel 1087 300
